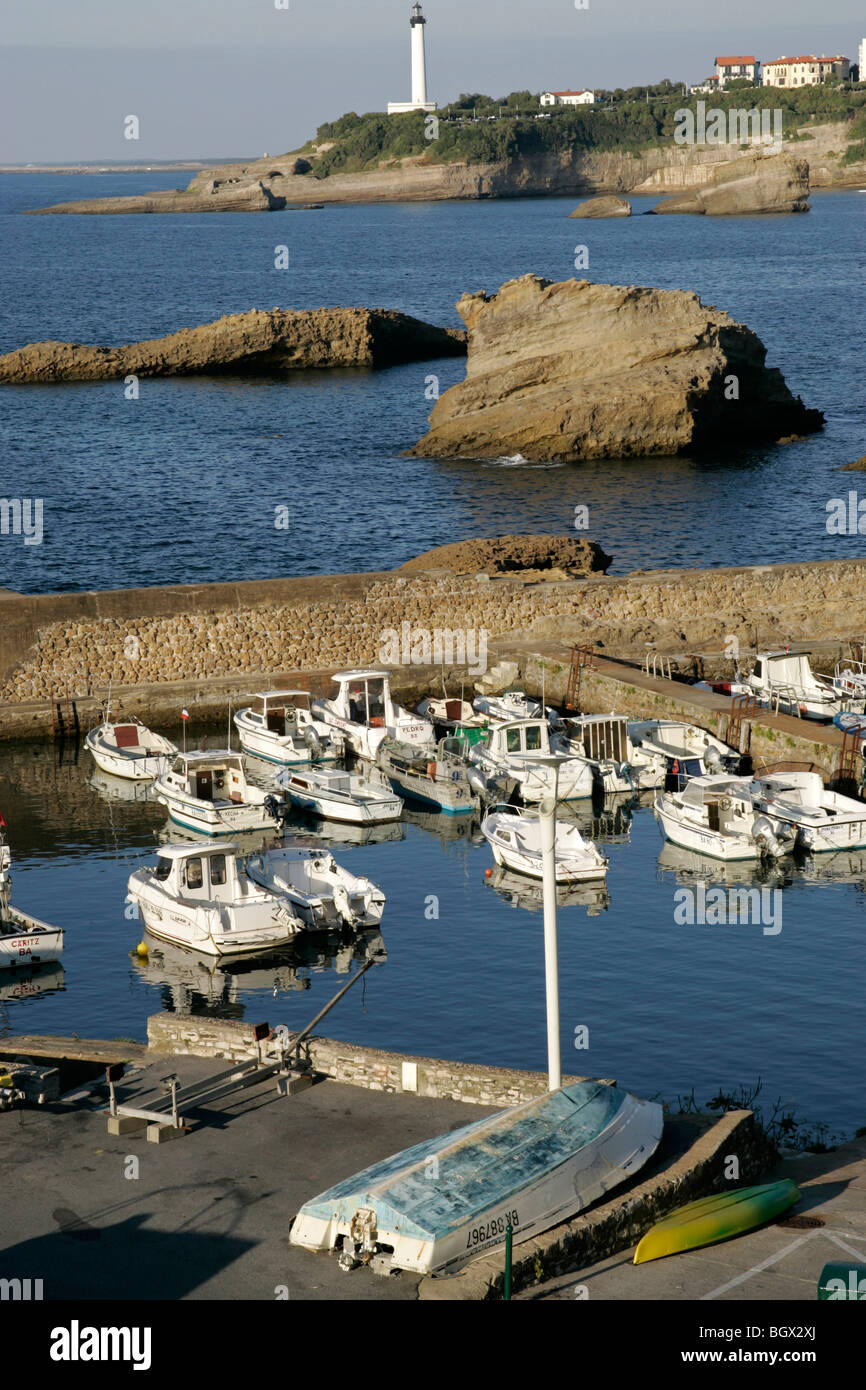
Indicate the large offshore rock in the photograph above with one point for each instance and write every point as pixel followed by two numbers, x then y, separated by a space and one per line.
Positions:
pixel 561 556
pixel 257 341
pixel 756 183
pixel 605 206
pixel 576 370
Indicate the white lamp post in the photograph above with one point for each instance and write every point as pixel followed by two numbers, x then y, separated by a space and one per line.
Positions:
pixel 547 816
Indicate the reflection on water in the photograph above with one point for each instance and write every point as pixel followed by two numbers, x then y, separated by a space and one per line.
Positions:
pixel 17 986
pixel 191 982
pixel 668 1007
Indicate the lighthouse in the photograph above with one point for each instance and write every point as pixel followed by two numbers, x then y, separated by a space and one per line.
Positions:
pixel 419 100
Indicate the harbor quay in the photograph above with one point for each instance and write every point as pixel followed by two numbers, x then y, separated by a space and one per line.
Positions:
pixel 111 1215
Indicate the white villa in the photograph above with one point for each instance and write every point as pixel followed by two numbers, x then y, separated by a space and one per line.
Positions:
pixel 729 69
pixel 805 71
pixel 567 98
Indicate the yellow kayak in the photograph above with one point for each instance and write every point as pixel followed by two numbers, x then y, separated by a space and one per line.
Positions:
pixel 716 1218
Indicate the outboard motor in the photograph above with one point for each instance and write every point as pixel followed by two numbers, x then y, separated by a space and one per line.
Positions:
pixel 277 807
pixel 478 782
pixel 313 742
pixel 712 759
pixel 764 836
pixel 805 840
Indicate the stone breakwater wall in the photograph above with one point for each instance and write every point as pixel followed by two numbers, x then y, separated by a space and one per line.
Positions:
pixel 78 642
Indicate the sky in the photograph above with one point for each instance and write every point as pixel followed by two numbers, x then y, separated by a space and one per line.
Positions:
pixel 222 78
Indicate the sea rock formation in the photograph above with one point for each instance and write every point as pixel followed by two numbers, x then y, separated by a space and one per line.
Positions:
pixel 577 370
pixel 755 183
pixel 858 466
pixel 258 341
pixel 252 195
pixel 605 206
pixel 545 556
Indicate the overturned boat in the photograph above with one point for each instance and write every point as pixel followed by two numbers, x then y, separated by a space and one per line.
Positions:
pixel 436 1205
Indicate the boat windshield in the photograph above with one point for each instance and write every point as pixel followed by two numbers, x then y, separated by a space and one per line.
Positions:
pixel 163 868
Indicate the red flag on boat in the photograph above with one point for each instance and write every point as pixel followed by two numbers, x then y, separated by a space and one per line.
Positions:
pixel 2 821
pixel 184 714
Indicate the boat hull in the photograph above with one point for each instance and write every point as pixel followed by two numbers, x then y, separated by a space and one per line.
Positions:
pixel 26 942
pixel 712 1219
pixel 441 1203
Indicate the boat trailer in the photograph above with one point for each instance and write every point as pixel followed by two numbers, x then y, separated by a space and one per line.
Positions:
pixel 163 1119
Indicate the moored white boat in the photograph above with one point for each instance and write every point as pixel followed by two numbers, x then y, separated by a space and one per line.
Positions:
pixel 512 750
pixel 717 816
pixel 126 748
pixel 436 1205
pixel 209 792
pixel 511 704
pixel 823 821
pixel 322 893
pixel 25 941
pixel 334 795
pixel 365 713
pixel 604 740
pixel 281 728
pixel 201 896
pixel 515 838
pixel 437 777
pixel 785 683
pixel 688 751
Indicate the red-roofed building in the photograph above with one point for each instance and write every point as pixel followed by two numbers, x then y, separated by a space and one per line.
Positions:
pixel 732 68
pixel 567 98
pixel 805 70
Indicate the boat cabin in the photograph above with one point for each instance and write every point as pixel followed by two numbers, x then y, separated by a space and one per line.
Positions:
pixel 604 736
pixel 364 697
pixel 785 671
pixel 724 799
pixel 214 776
pixel 199 872
pixel 519 738
pixel 279 711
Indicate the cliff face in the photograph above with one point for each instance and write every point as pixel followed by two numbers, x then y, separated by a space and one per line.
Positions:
pixel 274 184
pixel 577 370
pixel 257 341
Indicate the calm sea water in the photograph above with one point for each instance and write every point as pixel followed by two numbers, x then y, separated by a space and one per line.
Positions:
pixel 669 1007
pixel 181 485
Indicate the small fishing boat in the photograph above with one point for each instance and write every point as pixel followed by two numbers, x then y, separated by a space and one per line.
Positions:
pixel 281 728
pixel 437 777
pixel 340 796
pixel 849 683
pixel 717 816
pixel 515 838
pixel 512 750
pixel 822 821
pixel 511 704
pixel 436 1205
pixel 687 750
pixel 365 713
pixel 447 714
pixel 202 896
pixel 25 941
pixel 209 792
pixel 130 750
pixel 712 1219
pixel 323 894
pixel 604 740
pixel 785 683
pixel 851 723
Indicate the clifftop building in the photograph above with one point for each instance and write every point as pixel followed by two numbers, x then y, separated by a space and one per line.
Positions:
pixel 729 69
pixel 419 100
pixel 805 71
pixel 567 98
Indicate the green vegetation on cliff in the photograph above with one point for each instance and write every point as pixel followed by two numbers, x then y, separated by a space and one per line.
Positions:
pixel 480 130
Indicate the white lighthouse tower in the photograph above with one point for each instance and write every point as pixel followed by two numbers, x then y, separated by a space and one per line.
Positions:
pixel 419 100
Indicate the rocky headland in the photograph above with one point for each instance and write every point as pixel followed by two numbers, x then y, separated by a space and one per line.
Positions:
pixel 259 341
pixel 755 184
pixel 273 184
pixel 577 370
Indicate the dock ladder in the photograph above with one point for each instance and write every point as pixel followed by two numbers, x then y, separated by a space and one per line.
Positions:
pixel 582 659
pixel 852 747
pixel 743 707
